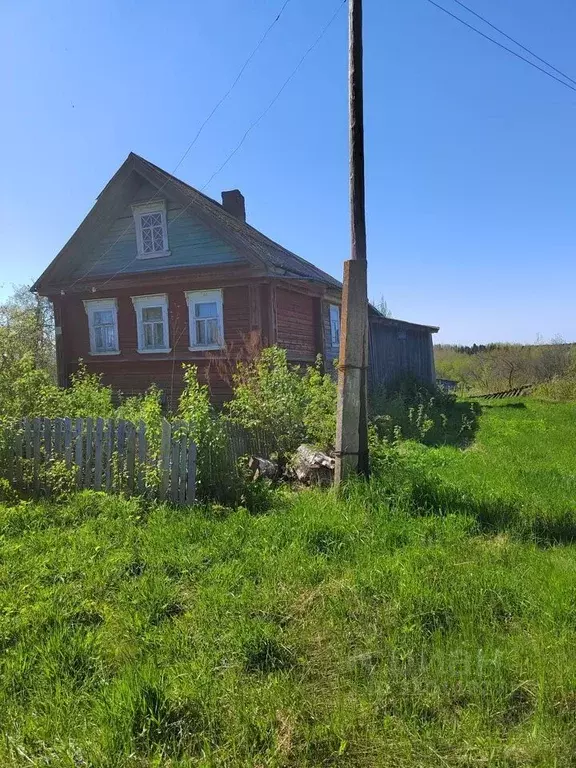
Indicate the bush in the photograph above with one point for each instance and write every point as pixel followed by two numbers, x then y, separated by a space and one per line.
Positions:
pixel 557 390
pixel 271 395
pixel 432 416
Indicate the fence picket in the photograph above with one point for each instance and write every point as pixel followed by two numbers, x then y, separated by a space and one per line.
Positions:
pixel 182 468
pixel 98 454
pixel 18 440
pixel 78 435
pixel 142 454
pixel 88 459
pixel 165 459
pixel 47 426
pixel 191 478
pixel 58 424
pixel 27 438
pixel 130 456
pixel 109 453
pixel 36 453
pixel 175 464
pixel 68 442
pixel 120 453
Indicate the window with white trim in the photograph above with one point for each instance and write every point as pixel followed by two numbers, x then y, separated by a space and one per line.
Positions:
pixel 102 326
pixel 152 322
pixel 335 325
pixel 206 319
pixel 151 229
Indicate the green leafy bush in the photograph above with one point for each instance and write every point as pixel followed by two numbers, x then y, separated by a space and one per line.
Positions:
pixel 409 411
pixel 558 390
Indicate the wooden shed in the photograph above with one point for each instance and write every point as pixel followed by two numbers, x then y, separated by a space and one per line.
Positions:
pixel 400 349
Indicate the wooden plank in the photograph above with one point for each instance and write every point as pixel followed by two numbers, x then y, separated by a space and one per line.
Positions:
pixel 28 438
pixel 58 433
pixel 165 459
pixel 36 427
pixel 182 468
pixel 98 447
pixel 68 442
pixel 130 456
pixel 191 478
pixel 18 441
pixel 120 453
pixel 78 440
pixel 47 428
pixel 108 453
pixel 8 435
pixel 174 469
pixel 88 482
pixel 142 456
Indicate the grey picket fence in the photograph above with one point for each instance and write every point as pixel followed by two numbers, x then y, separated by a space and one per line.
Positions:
pixel 104 454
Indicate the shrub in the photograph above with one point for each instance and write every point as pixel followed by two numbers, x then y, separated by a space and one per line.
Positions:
pixel 320 407
pixel 410 411
pixel 269 395
pixel 557 390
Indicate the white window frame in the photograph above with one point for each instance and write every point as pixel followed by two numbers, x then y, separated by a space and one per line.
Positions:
pixel 204 297
pixel 334 310
pixel 143 209
pixel 149 302
pixel 101 305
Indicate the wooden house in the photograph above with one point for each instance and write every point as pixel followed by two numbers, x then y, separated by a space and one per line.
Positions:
pixel 158 274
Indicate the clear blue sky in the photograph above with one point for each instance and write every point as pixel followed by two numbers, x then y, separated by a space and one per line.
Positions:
pixel 471 154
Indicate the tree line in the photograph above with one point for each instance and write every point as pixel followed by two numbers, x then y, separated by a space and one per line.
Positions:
pixel 482 368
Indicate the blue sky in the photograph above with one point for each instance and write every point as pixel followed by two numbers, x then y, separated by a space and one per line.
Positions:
pixel 471 154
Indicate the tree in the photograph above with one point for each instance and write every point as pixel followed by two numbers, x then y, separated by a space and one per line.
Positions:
pixel 382 307
pixel 27 330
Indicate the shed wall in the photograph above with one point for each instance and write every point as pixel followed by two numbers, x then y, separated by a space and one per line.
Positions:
pixel 397 352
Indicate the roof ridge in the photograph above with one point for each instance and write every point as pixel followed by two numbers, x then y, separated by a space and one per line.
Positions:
pixel 243 228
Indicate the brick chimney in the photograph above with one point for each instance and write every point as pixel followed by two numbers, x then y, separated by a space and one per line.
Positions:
pixel 233 202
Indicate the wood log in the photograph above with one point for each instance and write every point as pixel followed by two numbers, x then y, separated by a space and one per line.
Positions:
pixel 262 468
pixel 313 466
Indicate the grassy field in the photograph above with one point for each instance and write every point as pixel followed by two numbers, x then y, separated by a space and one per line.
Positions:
pixel 428 620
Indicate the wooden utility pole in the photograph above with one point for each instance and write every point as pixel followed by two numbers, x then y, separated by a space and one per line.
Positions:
pixel 351 424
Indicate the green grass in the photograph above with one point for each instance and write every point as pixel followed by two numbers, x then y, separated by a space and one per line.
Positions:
pixel 380 629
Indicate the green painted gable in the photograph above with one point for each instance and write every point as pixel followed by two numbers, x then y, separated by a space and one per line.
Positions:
pixel 190 242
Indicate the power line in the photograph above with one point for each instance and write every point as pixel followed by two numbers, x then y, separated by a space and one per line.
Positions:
pixel 500 45
pixel 275 99
pixel 248 131
pixel 200 129
pixel 508 37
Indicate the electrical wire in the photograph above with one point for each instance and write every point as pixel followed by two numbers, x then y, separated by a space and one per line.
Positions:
pixel 516 42
pixel 198 133
pixel 246 134
pixel 500 45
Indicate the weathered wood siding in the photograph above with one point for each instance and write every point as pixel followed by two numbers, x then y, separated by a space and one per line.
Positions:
pixel 296 327
pixel 190 242
pixel 131 372
pixel 397 351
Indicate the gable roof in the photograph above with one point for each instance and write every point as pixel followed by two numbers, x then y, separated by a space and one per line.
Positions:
pixel 250 242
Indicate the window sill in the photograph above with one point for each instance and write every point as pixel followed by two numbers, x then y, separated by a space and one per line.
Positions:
pixel 154 351
pixel 104 354
pixel 156 255
pixel 208 348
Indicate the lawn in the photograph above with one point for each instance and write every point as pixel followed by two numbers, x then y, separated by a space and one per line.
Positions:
pixel 428 620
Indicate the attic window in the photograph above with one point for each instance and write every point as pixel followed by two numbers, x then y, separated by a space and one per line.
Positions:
pixel 151 229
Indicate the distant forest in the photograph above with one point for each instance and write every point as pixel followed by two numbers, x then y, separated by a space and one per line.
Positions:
pixel 498 366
